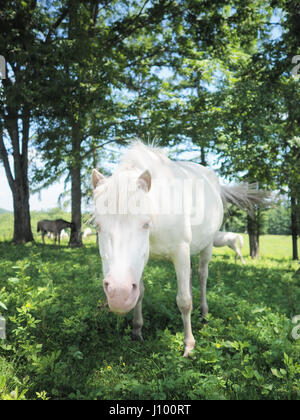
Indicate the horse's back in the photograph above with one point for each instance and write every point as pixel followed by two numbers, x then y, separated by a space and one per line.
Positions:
pixel 196 223
pixel 225 238
pixel 200 221
pixel 220 239
pixel 204 231
pixel 46 225
pixel 199 171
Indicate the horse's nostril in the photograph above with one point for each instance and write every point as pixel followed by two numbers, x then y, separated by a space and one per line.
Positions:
pixel 134 286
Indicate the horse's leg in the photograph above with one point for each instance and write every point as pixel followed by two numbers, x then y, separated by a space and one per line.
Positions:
pixel 184 296
pixel 43 236
pixel 136 333
pixel 238 252
pixel 205 257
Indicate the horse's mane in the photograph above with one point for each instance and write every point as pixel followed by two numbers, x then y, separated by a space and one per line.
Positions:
pixel 138 158
pixel 141 156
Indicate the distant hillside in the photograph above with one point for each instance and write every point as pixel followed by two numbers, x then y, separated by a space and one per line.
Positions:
pixel 4 211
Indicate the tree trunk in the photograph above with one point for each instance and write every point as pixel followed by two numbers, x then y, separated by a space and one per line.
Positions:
pixel 75 168
pixel 22 224
pixel 19 183
pixel 203 157
pixel 76 236
pixel 253 231
pixel 294 227
pixel 75 171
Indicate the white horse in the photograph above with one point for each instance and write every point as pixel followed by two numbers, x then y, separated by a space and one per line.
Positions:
pixel 87 232
pixel 63 234
pixel 154 207
pixel 235 241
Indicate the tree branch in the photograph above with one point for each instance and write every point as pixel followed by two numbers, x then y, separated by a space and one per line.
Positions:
pixel 57 23
pixel 123 29
pixel 96 148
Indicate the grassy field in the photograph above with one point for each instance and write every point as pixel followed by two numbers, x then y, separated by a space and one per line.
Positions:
pixel 63 343
pixel 7 221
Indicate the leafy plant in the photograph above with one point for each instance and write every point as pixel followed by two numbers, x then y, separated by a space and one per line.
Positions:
pixel 63 343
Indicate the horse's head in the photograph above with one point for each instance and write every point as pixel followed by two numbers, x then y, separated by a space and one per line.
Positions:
pixel 123 224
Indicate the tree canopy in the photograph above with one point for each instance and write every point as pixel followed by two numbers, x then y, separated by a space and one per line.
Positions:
pixel 218 78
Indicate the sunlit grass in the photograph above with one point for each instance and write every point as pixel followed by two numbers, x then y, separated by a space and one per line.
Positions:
pixel 63 343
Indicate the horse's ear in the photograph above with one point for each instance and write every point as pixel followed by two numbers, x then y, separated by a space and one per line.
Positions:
pixel 97 178
pixel 144 181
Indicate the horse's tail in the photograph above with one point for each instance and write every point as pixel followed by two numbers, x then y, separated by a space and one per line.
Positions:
pixel 241 241
pixel 245 196
pixel 38 227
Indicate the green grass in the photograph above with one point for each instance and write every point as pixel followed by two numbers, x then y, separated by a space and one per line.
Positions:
pixel 7 222
pixel 63 343
pixel 271 246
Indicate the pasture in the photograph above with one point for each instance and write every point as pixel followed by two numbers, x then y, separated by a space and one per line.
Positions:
pixel 95 84
pixel 63 343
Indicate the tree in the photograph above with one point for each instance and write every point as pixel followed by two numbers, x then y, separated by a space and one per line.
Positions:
pixel 93 54
pixel 25 43
pixel 224 109
pixel 286 90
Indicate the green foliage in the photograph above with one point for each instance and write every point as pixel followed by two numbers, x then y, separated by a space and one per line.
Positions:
pixel 279 221
pixel 173 71
pixel 63 343
pixel 275 221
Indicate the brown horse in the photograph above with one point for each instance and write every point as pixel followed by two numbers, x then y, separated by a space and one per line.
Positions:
pixel 53 226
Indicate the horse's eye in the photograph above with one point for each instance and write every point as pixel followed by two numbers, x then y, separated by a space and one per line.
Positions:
pixel 146 225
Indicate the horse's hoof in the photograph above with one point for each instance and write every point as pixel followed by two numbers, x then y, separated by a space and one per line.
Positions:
pixel 204 321
pixel 188 351
pixel 136 337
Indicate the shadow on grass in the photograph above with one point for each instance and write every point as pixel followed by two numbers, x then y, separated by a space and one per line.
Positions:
pixel 267 282
pixel 91 340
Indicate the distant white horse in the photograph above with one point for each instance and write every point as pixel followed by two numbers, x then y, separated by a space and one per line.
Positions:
pixel 87 232
pixel 152 206
pixel 235 241
pixel 64 235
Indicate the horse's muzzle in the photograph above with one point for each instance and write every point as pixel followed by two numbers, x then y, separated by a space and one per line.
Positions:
pixel 122 296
